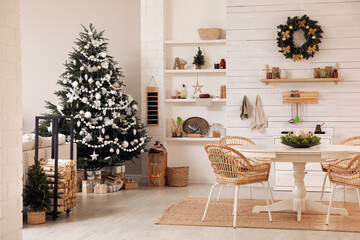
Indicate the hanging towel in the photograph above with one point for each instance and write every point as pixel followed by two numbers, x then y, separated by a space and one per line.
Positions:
pixel 258 121
pixel 245 108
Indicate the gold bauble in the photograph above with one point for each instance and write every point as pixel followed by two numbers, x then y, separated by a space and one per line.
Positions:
pixel 307 26
pixel 283 39
pixel 290 27
pixel 81 112
pixel 280 49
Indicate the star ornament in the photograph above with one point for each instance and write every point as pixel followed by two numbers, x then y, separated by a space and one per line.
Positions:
pixel 296 57
pixel 286 34
pixel 311 50
pixel 312 31
pixel 94 156
pixel 197 87
pixel 100 139
pixel 301 23
pixel 286 50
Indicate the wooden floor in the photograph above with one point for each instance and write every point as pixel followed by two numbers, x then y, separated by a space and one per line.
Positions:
pixel 130 215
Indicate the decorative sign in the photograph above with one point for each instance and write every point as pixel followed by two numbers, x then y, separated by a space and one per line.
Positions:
pixel 152 104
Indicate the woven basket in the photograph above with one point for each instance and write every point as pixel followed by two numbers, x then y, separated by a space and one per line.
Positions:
pixel 209 33
pixel 36 217
pixel 177 176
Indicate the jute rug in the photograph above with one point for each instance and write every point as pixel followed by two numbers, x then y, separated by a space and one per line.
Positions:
pixel 189 212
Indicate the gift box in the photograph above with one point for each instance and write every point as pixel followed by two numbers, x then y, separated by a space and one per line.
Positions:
pixel 100 189
pixel 87 186
pixel 131 185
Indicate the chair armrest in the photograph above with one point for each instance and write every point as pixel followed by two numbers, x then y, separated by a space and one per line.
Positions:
pixel 260 167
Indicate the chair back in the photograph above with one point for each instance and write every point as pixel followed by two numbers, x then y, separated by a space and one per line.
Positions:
pixel 348 174
pixel 227 163
pixel 235 141
pixel 354 141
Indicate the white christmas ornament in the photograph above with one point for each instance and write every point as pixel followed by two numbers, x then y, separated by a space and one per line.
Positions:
pixel 65 81
pixel 111 150
pixel 103 54
pixel 88 114
pixel 136 141
pixel 78 123
pixel 97 83
pixel 91 80
pixel 135 107
pixel 142 151
pixel 94 156
pixel 75 84
pixel 81 112
pixel 125 144
pixel 84 100
pixel 117 151
pixel 82 68
pixel 134 131
pixel 142 139
pixel 98 96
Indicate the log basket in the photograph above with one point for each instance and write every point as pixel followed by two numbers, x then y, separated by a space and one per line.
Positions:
pixel 177 176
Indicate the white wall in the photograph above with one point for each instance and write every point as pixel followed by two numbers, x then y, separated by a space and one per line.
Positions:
pixel 49 29
pixel 10 122
pixel 251 43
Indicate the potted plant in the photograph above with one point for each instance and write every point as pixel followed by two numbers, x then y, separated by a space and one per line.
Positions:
pixel 177 130
pixel 36 194
pixel 199 59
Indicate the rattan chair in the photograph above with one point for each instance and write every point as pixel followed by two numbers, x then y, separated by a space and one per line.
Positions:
pixel 353 141
pixel 233 168
pixel 233 141
pixel 344 172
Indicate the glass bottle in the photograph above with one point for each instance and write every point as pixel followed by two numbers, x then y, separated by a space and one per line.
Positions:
pixel 183 92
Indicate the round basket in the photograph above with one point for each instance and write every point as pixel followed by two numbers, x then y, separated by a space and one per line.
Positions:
pixel 36 217
pixel 177 176
pixel 209 33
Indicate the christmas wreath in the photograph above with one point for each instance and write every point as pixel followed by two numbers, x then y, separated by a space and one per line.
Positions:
pixel 312 33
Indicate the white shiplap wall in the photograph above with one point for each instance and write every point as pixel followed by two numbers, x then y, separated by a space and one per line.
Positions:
pixel 251 44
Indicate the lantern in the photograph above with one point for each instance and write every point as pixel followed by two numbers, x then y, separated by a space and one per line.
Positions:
pixel 157 165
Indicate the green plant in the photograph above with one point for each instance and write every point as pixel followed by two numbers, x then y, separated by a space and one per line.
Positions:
pixel 179 120
pixel 36 192
pixel 199 58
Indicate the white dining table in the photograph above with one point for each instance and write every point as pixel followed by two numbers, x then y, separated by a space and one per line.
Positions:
pixel 299 157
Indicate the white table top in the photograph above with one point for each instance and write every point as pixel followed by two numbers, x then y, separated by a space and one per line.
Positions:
pixel 323 151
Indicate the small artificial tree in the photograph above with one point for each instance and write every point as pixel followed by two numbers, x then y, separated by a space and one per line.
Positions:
pixel 199 59
pixel 36 192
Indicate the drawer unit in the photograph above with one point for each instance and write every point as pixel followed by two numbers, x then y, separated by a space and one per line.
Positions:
pixel 283 171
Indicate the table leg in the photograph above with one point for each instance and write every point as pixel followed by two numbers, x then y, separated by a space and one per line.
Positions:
pixel 299 190
pixel 298 203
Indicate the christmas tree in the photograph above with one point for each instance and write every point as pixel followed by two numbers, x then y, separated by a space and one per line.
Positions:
pixel 199 59
pixel 36 193
pixel 107 129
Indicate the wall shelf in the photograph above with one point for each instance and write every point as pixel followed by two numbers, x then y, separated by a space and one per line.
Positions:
pixel 192 71
pixel 187 42
pixel 187 139
pixel 215 100
pixel 279 80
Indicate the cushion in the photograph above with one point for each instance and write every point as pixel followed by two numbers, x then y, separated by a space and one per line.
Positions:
pixel 44 142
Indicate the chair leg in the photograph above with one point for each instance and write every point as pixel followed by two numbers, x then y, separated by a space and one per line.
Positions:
pixel 267 201
pixel 358 197
pixel 344 194
pixel 271 193
pixel 235 205
pixel 221 186
pixel 250 192
pixel 331 199
pixel 323 187
pixel 208 201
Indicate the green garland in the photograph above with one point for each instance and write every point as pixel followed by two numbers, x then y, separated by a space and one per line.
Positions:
pixel 312 33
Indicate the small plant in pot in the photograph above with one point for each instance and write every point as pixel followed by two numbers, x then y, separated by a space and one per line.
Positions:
pixel 199 59
pixel 36 194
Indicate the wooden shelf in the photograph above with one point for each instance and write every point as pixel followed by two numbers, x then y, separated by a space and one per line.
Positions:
pixel 187 139
pixel 336 80
pixel 192 71
pixel 189 42
pixel 215 100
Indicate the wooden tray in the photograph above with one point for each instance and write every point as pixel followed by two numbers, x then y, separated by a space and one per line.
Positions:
pixel 196 123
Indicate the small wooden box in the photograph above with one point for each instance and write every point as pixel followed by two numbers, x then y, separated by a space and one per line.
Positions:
pixel 133 185
pixel 100 189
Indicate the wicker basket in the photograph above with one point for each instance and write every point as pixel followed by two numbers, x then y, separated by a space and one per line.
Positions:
pixel 177 176
pixel 36 217
pixel 209 33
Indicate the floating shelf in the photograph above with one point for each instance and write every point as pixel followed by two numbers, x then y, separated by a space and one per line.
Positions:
pixel 279 80
pixel 215 100
pixel 187 139
pixel 191 71
pixel 185 42
pixel 300 98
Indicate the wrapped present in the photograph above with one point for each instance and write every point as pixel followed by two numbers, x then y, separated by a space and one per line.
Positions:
pixel 100 189
pixel 87 186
